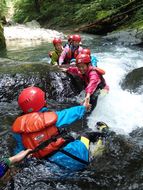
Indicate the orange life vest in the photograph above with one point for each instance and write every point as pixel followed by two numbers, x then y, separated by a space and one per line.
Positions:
pixel 37 127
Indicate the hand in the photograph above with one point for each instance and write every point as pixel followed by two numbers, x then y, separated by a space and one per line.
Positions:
pixel 55 64
pixel 87 98
pixel 86 102
pixel 18 157
pixel 64 69
pixel 88 106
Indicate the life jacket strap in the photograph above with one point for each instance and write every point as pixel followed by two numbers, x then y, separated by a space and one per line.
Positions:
pixel 62 134
pixel 74 157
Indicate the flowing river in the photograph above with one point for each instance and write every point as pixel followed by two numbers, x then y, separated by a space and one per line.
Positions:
pixel 121 167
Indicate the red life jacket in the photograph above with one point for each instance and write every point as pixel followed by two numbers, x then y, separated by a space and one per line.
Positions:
pixel 99 71
pixel 37 127
pixel 71 55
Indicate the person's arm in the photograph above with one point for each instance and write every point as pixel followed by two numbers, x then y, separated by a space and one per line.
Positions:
pixel 63 55
pixel 94 81
pixel 5 164
pixel 70 115
pixel 71 70
pixel 54 58
pixel 19 145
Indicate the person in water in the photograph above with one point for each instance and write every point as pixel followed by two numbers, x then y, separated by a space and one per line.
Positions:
pixel 92 77
pixel 54 55
pixel 71 51
pixel 42 130
pixel 70 40
pixel 7 162
pixel 93 58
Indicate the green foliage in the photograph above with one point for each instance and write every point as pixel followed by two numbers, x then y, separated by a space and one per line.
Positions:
pixel 24 11
pixel 137 20
pixel 67 13
pixel 3 8
pixel 87 13
pixel 112 4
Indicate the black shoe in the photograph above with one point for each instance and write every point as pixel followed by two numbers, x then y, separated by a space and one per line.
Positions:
pixel 102 127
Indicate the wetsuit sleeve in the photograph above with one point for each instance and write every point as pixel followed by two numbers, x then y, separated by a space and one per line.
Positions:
pixel 73 70
pixel 54 58
pixel 4 166
pixel 70 115
pixel 94 80
pixel 19 146
pixel 63 55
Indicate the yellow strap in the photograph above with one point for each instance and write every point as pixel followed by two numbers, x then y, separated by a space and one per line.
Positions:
pixel 99 148
pixel 102 127
pixel 85 141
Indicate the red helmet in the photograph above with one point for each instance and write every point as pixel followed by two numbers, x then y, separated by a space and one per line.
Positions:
pixel 83 58
pixel 57 41
pixel 31 99
pixel 86 51
pixel 76 38
pixel 70 38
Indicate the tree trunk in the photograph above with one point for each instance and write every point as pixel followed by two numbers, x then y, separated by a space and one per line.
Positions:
pixel 112 21
pixel 37 6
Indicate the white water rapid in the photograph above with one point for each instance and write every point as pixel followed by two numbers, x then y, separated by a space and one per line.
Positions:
pixel 30 34
pixel 120 109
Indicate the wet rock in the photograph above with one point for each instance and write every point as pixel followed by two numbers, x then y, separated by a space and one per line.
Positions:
pixel 126 37
pixel 16 76
pixel 134 81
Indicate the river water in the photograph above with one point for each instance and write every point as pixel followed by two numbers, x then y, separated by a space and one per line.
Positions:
pixel 120 109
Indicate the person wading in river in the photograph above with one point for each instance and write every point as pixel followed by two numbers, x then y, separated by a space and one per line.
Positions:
pixel 42 130
pixel 71 51
pixel 54 55
pixel 92 77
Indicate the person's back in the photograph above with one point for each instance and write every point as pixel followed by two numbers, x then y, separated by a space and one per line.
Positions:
pixel 38 124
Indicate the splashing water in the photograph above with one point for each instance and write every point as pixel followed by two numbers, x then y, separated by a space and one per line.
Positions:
pixel 120 109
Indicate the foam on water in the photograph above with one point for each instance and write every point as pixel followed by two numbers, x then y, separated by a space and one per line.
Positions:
pixel 120 109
